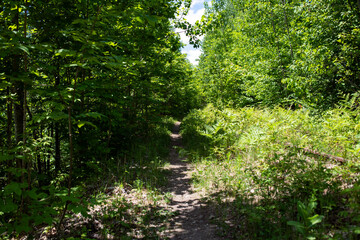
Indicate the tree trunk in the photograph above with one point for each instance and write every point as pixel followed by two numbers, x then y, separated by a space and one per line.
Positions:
pixel 18 90
pixel 9 118
pixel 48 159
pixel 71 146
pixel 27 160
pixel 57 149
pixel 57 132
pixel 38 156
pixel 9 112
pixel 18 109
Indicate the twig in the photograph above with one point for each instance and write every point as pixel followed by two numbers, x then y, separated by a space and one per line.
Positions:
pixel 325 155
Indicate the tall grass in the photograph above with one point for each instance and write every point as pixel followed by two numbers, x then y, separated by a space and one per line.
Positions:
pixel 256 164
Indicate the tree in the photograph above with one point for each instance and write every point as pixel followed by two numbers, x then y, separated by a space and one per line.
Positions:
pixel 81 81
pixel 281 52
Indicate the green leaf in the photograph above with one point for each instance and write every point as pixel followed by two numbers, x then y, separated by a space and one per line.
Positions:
pixel 151 19
pixel 74 65
pixel 9 207
pixel 3 84
pixel 57 116
pixel 315 219
pixel 139 19
pixel 13 187
pixel 65 53
pixel 23 48
pixel 298 226
pixel 95 115
pixel 48 219
pixel 79 209
pixel 24 225
pixel 70 199
pixel 32 194
pixel 80 124
pixel 4 157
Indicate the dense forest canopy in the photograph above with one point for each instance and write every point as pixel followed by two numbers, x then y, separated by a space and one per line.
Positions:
pixel 281 52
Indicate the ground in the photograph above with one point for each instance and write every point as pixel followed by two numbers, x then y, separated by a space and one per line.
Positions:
pixel 192 220
pixel 131 213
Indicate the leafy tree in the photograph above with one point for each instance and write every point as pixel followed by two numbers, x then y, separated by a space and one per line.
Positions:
pixel 280 52
pixel 81 83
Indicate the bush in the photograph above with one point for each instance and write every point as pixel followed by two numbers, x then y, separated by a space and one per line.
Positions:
pixel 271 166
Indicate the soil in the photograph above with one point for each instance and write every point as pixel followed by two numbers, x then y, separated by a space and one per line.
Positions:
pixel 192 220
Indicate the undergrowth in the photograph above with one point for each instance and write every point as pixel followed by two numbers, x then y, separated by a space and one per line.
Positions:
pixel 120 198
pixel 142 162
pixel 270 174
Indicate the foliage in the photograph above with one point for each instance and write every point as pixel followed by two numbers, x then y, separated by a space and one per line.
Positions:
pixel 84 87
pixel 307 220
pixel 280 52
pixel 88 88
pixel 255 167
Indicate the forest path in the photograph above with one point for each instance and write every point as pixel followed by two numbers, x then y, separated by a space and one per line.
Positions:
pixel 192 219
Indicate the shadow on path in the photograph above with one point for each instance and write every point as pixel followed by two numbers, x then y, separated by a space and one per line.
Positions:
pixel 192 219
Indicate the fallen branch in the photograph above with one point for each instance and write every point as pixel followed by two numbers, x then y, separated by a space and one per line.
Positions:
pixel 325 155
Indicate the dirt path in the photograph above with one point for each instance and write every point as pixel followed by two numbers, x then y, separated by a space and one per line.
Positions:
pixel 192 220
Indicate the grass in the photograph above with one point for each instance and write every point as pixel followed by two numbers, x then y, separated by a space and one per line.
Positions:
pixel 266 188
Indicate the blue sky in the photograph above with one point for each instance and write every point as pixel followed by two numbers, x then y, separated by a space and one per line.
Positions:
pixel 196 11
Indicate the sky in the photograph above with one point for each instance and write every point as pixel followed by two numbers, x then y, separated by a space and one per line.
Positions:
pixel 196 11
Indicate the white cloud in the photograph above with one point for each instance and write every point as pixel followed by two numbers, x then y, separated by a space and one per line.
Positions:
pixel 195 13
pixel 193 55
pixel 183 36
pixel 194 2
pixel 192 16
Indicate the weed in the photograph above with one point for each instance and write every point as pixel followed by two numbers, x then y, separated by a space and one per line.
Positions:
pixel 256 164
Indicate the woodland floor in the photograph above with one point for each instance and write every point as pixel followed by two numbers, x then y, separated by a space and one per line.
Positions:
pixel 188 219
pixel 192 219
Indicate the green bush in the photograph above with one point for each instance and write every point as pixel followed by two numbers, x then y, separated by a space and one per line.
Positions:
pixel 265 165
